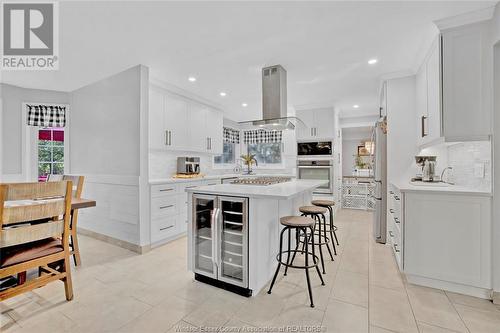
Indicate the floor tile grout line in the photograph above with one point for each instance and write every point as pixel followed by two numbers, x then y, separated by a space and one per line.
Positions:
pixel 459 315
pixel 411 307
pixel 435 325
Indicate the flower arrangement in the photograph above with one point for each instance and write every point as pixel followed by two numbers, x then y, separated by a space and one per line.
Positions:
pixel 249 160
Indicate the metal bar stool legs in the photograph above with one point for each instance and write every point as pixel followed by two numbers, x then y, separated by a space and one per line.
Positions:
pixel 302 224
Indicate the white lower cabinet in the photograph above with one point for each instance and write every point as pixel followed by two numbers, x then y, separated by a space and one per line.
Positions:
pixel 169 209
pixel 395 224
pixel 443 238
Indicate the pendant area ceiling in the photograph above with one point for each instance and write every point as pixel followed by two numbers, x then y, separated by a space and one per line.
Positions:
pixel 324 46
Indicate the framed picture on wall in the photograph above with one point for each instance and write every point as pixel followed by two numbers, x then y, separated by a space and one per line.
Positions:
pixel 362 151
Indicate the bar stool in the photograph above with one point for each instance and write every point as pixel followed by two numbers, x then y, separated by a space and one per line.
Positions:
pixel 332 228
pixel 318 214
pixel 299 224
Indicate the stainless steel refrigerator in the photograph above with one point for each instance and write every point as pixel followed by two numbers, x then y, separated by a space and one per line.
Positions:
pixel 380 175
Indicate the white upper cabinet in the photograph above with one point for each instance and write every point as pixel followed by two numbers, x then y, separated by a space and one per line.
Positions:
pixel 433 75
pixel 428 96
pixel 452 88
pixel 157 133
pixel 319 124
pixel 179 123
pixel 466 83
pixel 176 122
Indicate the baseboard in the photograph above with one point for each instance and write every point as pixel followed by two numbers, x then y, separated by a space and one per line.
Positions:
pixel 495 295
pixel 450 286
pixel 115 241
pixel 168 240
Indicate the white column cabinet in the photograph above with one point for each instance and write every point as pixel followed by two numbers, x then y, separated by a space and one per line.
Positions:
pixel 305 132
pixel 198 124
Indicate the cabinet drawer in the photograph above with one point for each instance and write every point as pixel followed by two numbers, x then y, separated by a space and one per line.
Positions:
pixel 163 206
pixel 162 228
pixel 181 188
pixel 162 190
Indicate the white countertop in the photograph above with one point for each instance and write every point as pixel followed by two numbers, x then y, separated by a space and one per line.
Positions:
pixel 209 177
pixel 452 189
pixel 280 191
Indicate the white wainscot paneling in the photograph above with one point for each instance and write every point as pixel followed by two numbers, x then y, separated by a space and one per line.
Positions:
pixel 117 211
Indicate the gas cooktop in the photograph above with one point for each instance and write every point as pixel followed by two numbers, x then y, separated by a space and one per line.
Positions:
pixel 261 180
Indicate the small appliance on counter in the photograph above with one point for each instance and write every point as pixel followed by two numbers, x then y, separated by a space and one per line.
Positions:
pixel 427 165
pixel 188 165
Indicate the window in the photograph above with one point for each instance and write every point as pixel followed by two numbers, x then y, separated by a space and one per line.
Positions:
pixel 50 152
pixel 228 154
pixel 266 153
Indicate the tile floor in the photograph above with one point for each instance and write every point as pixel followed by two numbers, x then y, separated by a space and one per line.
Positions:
pixel 120 291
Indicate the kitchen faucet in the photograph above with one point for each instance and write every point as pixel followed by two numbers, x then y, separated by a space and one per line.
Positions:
pixel 442 175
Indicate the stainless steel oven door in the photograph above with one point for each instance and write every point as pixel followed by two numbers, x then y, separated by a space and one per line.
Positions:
pixel 318 173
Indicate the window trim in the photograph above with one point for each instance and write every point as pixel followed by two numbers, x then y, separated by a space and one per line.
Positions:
pixel 226 166
pixel 268 166
pixel 29 143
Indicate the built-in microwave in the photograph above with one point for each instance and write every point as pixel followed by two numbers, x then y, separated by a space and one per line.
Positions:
pixel 315 148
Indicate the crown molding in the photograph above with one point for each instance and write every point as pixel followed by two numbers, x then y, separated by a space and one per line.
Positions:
pixel 184 93
pixel 314 106
pixel 466 18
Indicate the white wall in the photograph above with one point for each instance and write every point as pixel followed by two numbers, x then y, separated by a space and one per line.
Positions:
pixel 14 164
pixel 496 145
pixel 349 150
pixel 105 147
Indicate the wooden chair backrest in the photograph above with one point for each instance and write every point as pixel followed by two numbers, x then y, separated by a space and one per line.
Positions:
pixel 47 203
pixel 77 182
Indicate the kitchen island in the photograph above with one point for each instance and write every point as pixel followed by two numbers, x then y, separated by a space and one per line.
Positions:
pixel 233 231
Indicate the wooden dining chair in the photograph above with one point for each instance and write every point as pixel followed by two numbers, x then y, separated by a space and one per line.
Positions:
pixel 77 193
pixel 34 234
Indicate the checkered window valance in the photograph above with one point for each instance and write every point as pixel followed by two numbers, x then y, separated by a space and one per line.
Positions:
pixel 46 115
pixel 231 135
pixel 262 136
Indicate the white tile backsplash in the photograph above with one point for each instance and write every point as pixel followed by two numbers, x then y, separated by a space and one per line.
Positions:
pixel 164 165
pixel 471 163
pixel 466 159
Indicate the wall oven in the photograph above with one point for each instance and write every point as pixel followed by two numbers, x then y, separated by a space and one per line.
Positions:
pixel 317 169
pixel 315 148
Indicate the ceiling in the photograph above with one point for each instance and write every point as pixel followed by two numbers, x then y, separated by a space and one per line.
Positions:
pixel 324 46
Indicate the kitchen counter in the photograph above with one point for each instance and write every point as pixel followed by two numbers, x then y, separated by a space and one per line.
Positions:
pixel 209 177
pixel 452 189
pixel 285 190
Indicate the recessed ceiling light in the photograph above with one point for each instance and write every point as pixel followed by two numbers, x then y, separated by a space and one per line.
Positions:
pixel 222 94
pixel 244 105
pixel 355 106
pixel 372 61
pixel 191 79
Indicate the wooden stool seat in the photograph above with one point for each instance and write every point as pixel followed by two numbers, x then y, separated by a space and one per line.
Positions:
pixel 323 203
pixel 312 210
pixel 297 221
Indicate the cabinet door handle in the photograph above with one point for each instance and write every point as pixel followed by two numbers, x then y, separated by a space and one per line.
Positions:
pixel 396 197
pixel 396 220
pixel 311 131
pixel 191 186
pixel 423 119
pixel 167 206
pixel 390 233
pixel 170 226
pixel 210 143
pixel 391 210
pixel 166 189
pixel 391 192
pixel 169 138
pixel 166 138
pixel 396 248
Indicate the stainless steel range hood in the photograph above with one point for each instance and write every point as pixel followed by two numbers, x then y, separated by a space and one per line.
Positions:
pixel 274 103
